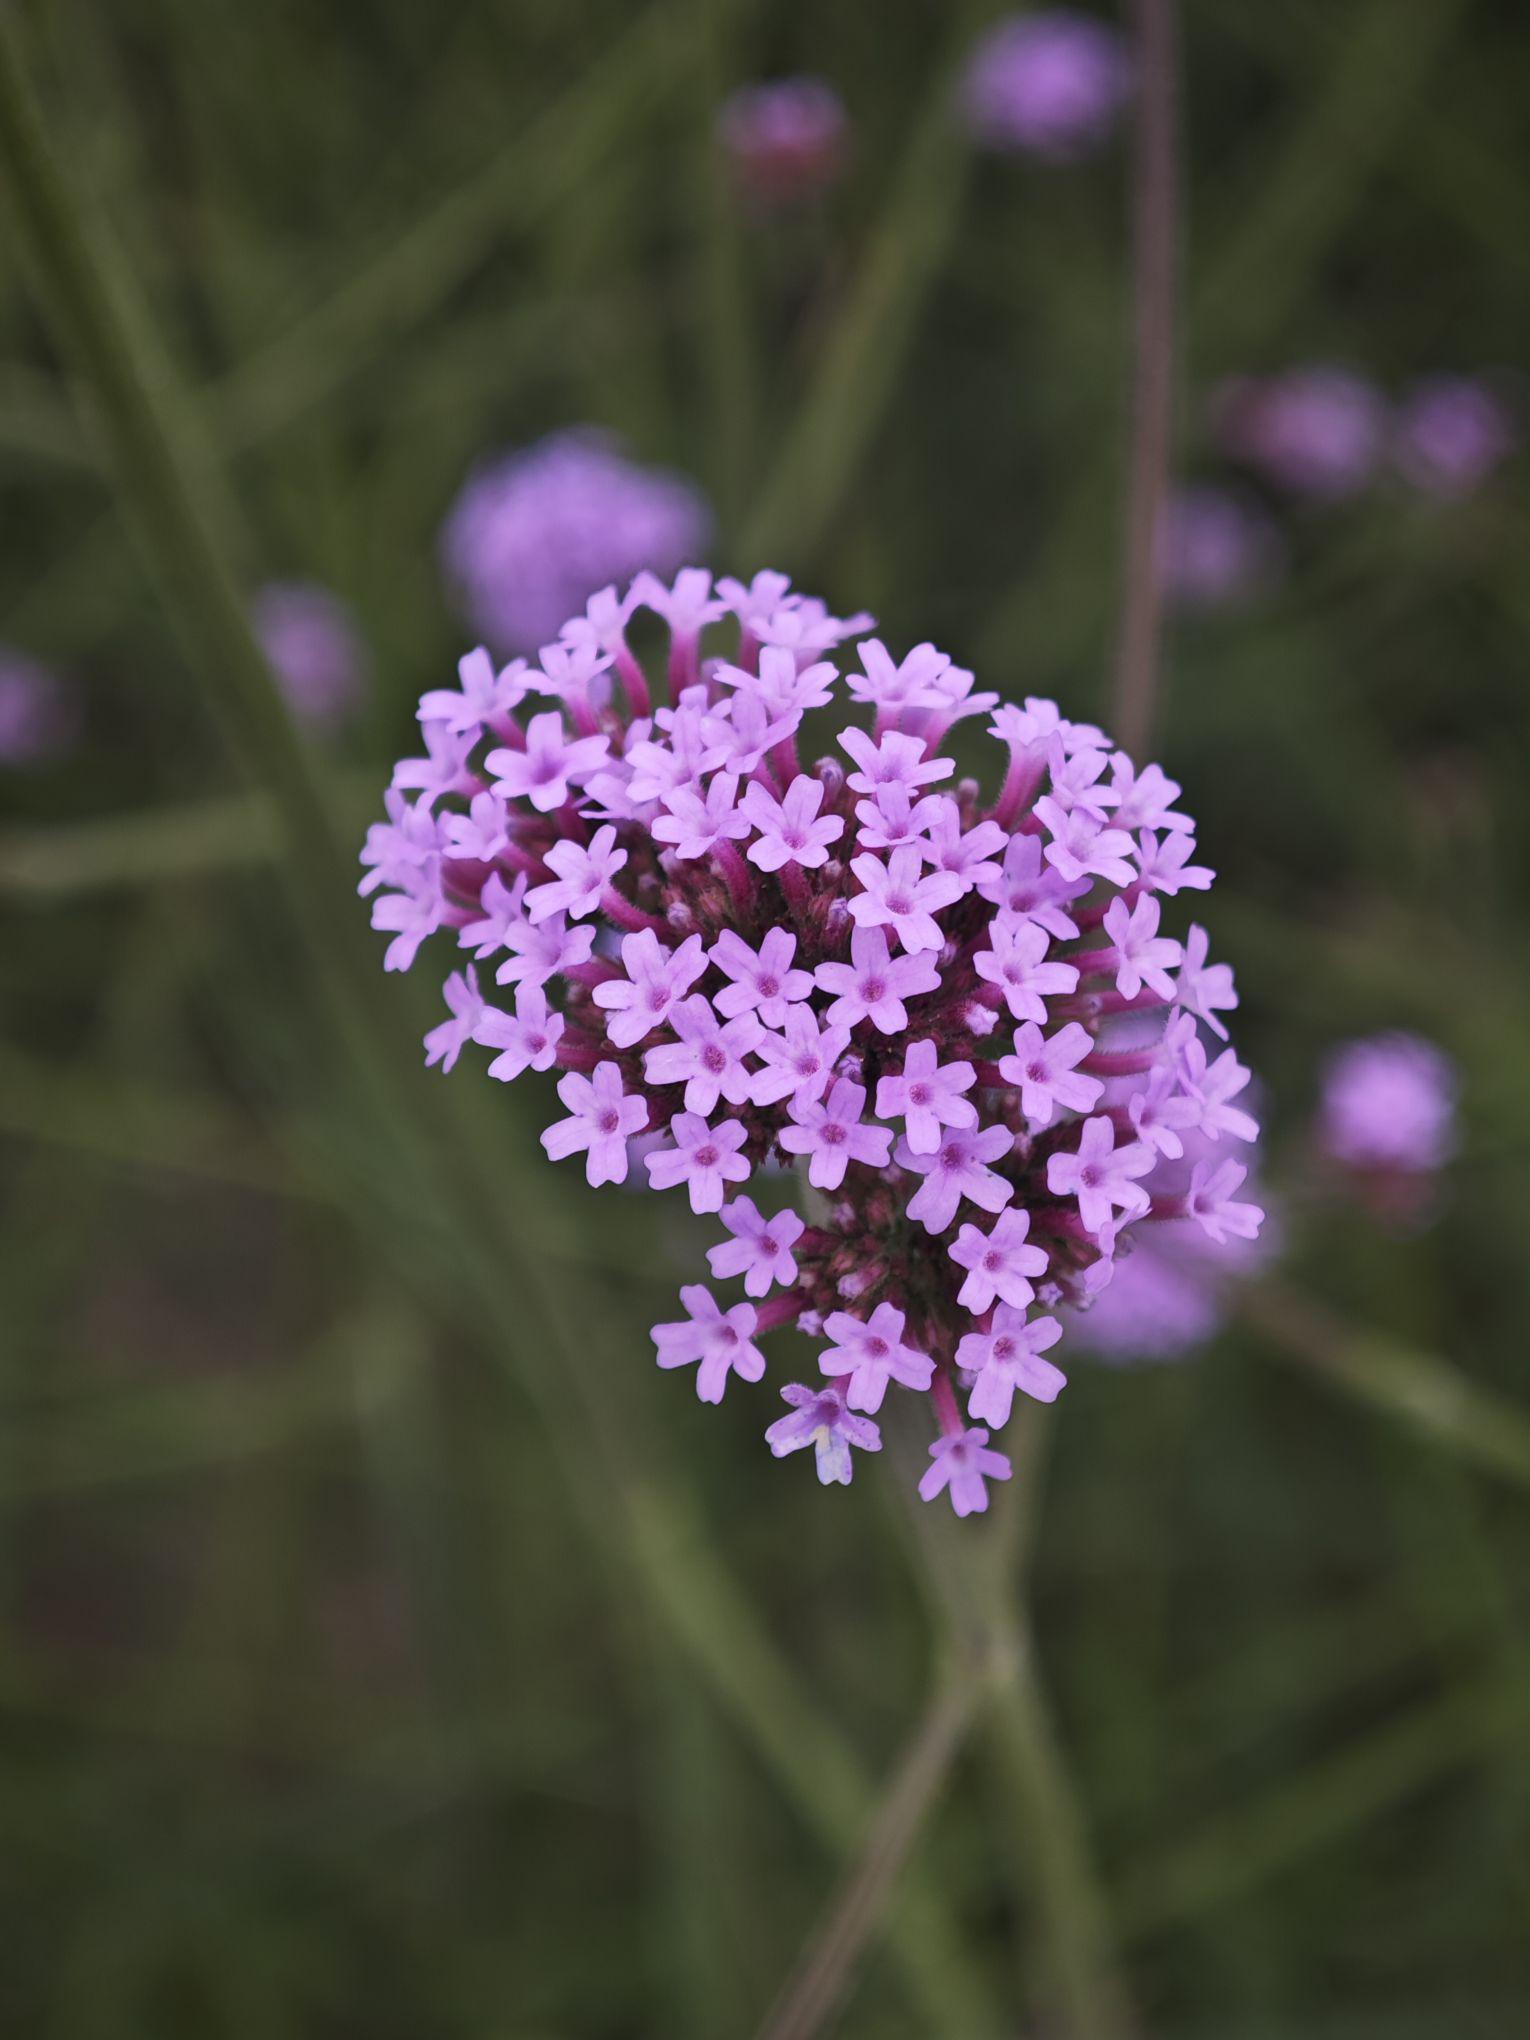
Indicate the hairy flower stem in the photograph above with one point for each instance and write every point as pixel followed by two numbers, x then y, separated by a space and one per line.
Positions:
pixel 1154 224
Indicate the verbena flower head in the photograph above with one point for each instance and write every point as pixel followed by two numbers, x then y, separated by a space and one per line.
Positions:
pixel 535 532
pixel 739 898
pixel 785 139
pixel 1317 431
pixel 1048 84
pixel 39 713
pixel 312 645
pixel 1388 1117
pixel 1452 432
pixel 1217 548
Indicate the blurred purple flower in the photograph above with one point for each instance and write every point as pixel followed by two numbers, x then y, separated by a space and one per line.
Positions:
pixel 1452 431
pixel 1389 1106
pixel 1216 548
pixel 785 139
pixel 313 647
pixel 39 713
pixel 1048 85
pixel 536 532
pixel 1315 431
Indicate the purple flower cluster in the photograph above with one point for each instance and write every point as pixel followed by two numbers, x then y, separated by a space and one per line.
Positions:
pixel 535 532
pixel 1388 1118
pixel 785 139
pixel 313 647
pixel 1048 84
pixel 960 1017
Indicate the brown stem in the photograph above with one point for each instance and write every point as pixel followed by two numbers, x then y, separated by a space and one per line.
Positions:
pixel 1154 212
pixel 816 1986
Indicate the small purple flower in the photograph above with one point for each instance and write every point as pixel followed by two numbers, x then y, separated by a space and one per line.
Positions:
pixel 791 830
pixel 800 1061
pixel 538 953
pixel 714 1341
pixel 1211 1204
pixel 1029 889
pixel 1316 432
pixel 313 647
pixel 1100 1175
pixel 1044 1070
pixel 786 139
pixel 894 761
pixel 1389 1104
pixel 831 1132
pixel 583 873
pixel 527 1041
pixel 871 1351
pixel 697 823
pixel 657 979
pixel 1006 1357
pixel 535 533
pixel 900 896
pixel 927 1096
pixel 551 764
pixel 1451 433
pixel 703 1158
pixel 707 1057
pixel 1204 989
pixel 873 985
pixel 601 1120
pixel 1048 85
pixel 445 1043
pixel 1144 958
pixel 819 1418
pixel 958 1168
pixel 962 1467
pixel 1017 964
pixel 483 698
pixel 999 1263
pixel 1216 548
pixel 760 1249
pixel 763 981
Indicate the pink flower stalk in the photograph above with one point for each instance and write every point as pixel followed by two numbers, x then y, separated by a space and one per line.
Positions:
pixel 785 139
pixel 1317 431
pixel 1451 433
pixel 1048 85
pixel 536 532
pixel 314 648
pixel 39 714
pixel 984 1074
pixel 1388 1118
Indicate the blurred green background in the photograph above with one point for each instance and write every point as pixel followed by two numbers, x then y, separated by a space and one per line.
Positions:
pixel 386 1648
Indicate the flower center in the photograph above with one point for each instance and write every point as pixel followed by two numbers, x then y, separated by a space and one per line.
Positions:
pixel 1037 1072
pixel 1004 1349
pixel 898 903
pixel 706 1158
pixel 609 1120
pixel 993 1262
pixel 769 987
pixel 877 1347
pixel 919 1094
pixel 874 991
pixel 832 1134
pixel 714 1058
pixel 1089 1176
